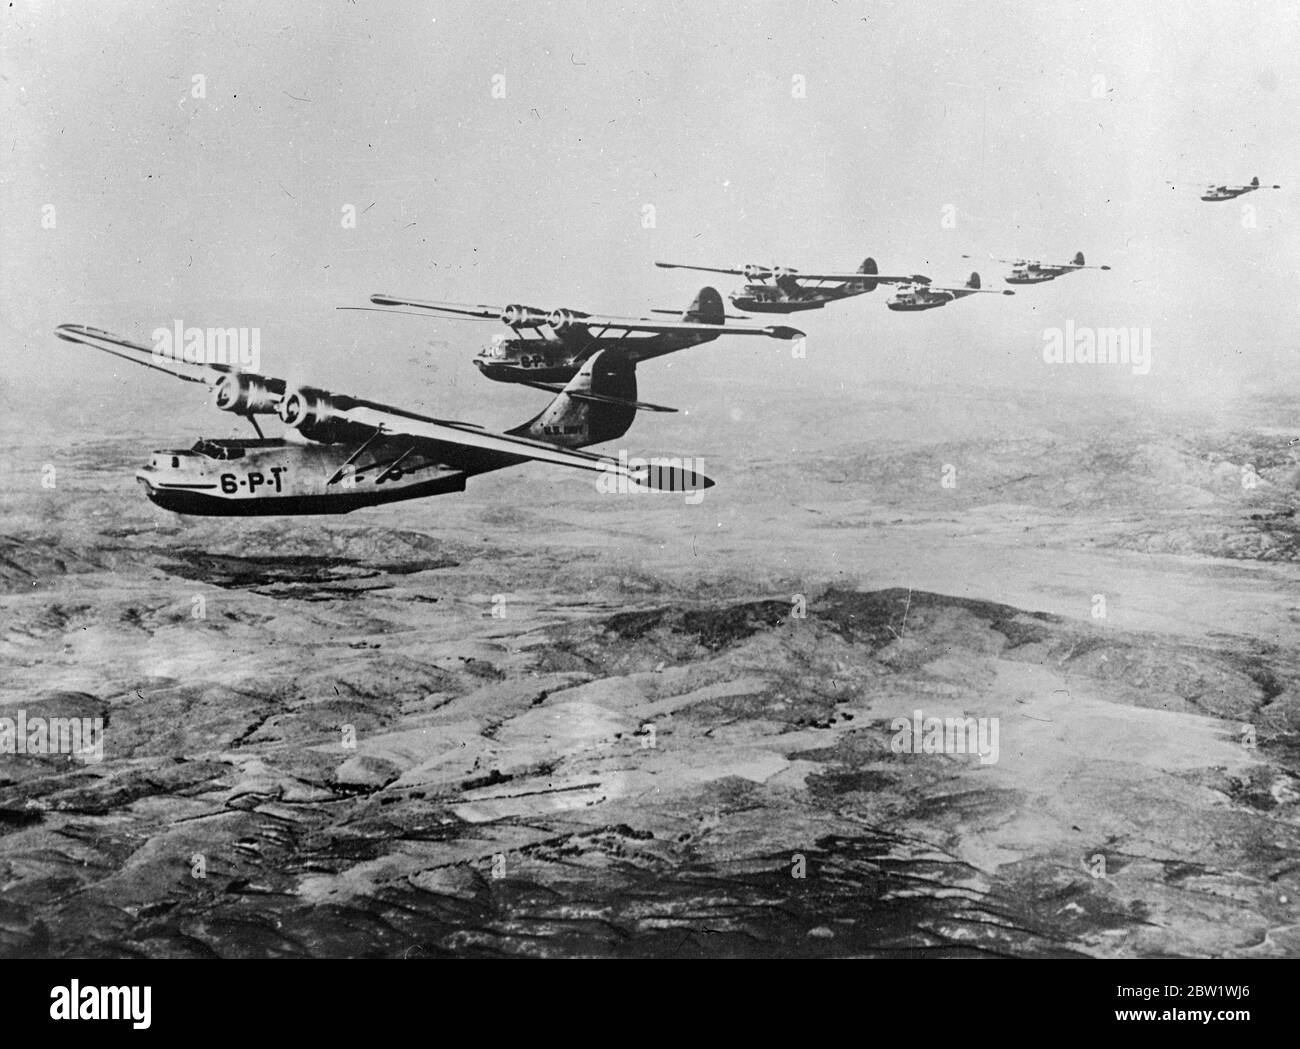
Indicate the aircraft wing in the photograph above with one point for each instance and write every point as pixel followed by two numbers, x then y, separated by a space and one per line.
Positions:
pixel 727 316
pixel 560 321
pixel 969 290
pixel 453 439
pixel 847 278
pixel 145 355
pixel 1009 262
pixel 459 309
pixel 702 269
pixel 466 446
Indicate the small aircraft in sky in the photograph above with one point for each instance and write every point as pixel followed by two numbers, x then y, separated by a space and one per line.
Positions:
pixel 1034 271
pixel 357 453
pixel 924 295
pixel 1213 193
pixel 791 291
pixel 562 340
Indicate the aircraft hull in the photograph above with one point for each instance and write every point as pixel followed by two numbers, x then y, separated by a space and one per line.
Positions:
pixel 914 307
pixel 517 373
pixel 559 364
pixel 206 504
pixel 755 306
pixel 276 478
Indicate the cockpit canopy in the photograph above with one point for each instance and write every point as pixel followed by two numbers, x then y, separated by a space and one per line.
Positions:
pixel 230 448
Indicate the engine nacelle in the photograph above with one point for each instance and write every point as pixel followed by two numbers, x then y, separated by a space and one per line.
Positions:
pixel 784 271
pixel 317 416
pixel 523 316
pixel 753 272
pixel 306 406
pixel 245 394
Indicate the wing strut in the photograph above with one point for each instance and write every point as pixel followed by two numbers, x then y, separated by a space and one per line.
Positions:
pixel 392 467
pixel 338 474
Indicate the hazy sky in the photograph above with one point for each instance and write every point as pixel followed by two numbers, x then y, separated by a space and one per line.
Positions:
pixel 1048 127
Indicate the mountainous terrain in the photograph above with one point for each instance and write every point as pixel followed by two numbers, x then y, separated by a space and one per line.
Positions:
pixel 536 720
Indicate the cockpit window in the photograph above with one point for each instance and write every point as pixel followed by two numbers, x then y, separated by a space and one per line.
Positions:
pixel 213 450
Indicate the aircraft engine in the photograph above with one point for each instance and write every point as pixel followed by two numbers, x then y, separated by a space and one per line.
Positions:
pixel 245 394
pixel 753 272
pixel 316 415
pixel 559 319
pixel 523 317
pixel 784 271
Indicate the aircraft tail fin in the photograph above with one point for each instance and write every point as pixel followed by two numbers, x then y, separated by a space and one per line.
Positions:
pixel 598 404
pixel 705 308
pixel 974 282
pixel 1255 181
pixel 869 267
pixel 1078 259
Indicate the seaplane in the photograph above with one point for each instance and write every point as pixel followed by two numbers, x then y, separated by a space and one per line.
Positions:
pixel 547 348
pixel 779 289
pixel 1213 193
pixel 924 295
pixel 351 453
pixel 1035 271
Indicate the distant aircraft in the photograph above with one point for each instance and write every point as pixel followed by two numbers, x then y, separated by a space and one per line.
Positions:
pixel 563 340
pixel 791 291
pixel 1032 271
pixel 1213 193
pixel 923 295
pixel 360 453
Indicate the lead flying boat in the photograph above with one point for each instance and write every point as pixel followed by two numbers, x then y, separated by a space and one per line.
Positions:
pixel 354 453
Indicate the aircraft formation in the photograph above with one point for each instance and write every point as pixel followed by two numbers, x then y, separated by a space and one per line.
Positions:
pixel 791 291
pixel 351 453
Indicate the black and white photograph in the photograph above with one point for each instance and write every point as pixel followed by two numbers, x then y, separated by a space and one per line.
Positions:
pixel 704 480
